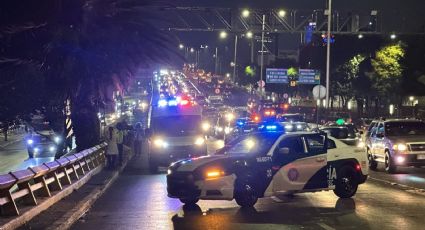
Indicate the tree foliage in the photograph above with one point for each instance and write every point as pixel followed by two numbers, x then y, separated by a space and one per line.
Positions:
pixel 387 61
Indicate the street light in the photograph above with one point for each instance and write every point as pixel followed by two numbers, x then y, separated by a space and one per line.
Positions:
pixel 245 13
pixel 393 36
pixel 249 34
pixel 281 13
pixel 223 34
pixel 360 36
pixel 181 46
pixel 192 50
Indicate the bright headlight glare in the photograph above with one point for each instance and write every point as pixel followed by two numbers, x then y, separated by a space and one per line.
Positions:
pixel 36 150
pixel 214 174
pixel 52 148
pixel 199 141
pixel 400 147
pixel 168 171
pixel 160 143
pixel 250 143
pixel 57 139
pixel 30 141
pixel 205 126
pixel 227 130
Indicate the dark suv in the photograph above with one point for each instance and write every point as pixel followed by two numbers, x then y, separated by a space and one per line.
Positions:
pixel 397 142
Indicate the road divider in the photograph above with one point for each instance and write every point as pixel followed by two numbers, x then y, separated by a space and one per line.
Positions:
pixel 25 193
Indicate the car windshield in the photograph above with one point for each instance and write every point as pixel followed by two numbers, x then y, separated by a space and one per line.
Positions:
pixel 405 128
pixel 252 144
pixel 340 132
pixel 176 125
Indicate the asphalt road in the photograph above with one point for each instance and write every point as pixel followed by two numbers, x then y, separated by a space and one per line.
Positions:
pixel 138 200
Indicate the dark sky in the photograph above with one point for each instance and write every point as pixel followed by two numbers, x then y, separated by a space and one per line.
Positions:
pixel 405 5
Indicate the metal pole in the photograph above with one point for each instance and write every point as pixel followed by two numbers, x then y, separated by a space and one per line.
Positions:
pixel 328 52
pixel 252 51
pixel 262 53
pixel 216 60
pixel 234 58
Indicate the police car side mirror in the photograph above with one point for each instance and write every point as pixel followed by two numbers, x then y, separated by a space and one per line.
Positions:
pixel 284 151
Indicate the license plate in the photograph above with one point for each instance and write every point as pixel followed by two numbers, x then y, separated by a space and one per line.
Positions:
pixel 421 157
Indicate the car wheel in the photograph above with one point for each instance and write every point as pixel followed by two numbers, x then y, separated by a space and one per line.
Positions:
pixel 372 163
pixel 189 201
pixel 389 163
pixel 346 182
pixel 245 194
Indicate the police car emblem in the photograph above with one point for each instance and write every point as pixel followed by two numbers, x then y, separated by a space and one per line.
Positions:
pixel 293 174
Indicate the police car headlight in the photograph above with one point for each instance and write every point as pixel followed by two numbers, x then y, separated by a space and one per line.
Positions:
pixel 36 150
pixel 199 141
pixel 206 126
pixel 160 143
pixel 400 147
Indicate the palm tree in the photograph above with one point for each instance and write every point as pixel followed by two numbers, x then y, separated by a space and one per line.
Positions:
pixel 81 47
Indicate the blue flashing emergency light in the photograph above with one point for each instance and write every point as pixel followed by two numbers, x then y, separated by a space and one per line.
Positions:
pixel 162 103
pixel 172 103
pixel 271 127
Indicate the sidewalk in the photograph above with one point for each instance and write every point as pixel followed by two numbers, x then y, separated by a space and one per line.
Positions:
pixel 11 139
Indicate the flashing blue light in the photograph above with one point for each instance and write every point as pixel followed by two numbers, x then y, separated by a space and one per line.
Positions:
pixel 172 103
pixel 162 103
pixel 240 123
pixel 271 127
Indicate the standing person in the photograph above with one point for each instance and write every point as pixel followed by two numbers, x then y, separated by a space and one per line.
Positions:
pixel 112 150
pixel 120 142
pixel 139 135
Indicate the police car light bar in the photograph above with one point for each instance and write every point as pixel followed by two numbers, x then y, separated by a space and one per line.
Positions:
pixel 271 127
pixel 172 103
pixel 162 103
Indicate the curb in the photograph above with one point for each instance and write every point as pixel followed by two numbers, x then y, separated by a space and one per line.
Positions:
pixel 81 208
pixel 406 188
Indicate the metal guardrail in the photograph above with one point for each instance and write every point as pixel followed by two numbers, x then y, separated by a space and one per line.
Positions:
pixel 24 187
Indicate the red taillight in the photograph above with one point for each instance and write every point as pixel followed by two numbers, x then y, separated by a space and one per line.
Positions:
pixel 285 106
pixel 358 167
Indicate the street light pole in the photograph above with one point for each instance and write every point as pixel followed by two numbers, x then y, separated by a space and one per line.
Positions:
pixel 216 60
pixel 328 52
pixel 234 58
pixel 262 54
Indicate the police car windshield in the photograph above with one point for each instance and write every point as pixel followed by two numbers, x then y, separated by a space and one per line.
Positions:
pixel 253 144
pixel 405 128
pixel 340 132
pixel 291 118
pixel 175 126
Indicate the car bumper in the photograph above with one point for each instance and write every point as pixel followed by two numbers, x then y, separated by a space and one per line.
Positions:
pixel 409 159
pixel 172 154
pixel 183 185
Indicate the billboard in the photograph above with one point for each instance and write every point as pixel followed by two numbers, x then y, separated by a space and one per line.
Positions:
pixel 305 76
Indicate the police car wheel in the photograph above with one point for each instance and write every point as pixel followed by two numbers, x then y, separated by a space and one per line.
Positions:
pixel 245 195
pixel 372 163
pixel 346 183
pixel 189 201
pixel 389 163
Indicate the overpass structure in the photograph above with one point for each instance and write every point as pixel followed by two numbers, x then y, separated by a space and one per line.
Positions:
pixel 189 19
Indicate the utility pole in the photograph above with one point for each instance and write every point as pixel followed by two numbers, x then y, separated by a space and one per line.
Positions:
pixel 262 54
pixel 216 60
pixel 234 58
pixel 328 52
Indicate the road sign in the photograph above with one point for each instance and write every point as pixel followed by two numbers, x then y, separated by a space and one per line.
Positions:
pixel 319 92
pixel 285 95
pixel 277 75
pixel 305 76
pixel 217 91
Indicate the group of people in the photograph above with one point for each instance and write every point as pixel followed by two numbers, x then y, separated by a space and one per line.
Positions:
pixel 119 135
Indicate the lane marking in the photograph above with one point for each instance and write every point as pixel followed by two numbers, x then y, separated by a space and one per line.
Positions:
pixel 325 226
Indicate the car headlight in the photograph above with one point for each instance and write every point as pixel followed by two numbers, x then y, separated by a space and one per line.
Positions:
pixel 205 126
pixel 400 147
pixel 30 142
pixel 160 143
pixel 52 149
pixel 57 140
pixel 199 141
pixel 36 150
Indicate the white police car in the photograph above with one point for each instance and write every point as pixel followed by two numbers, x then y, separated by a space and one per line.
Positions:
pixel 264 164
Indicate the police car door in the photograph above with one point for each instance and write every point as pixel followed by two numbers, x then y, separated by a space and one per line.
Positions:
pixel 303 167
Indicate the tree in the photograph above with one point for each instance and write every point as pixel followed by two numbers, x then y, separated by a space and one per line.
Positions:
pixel 82 47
